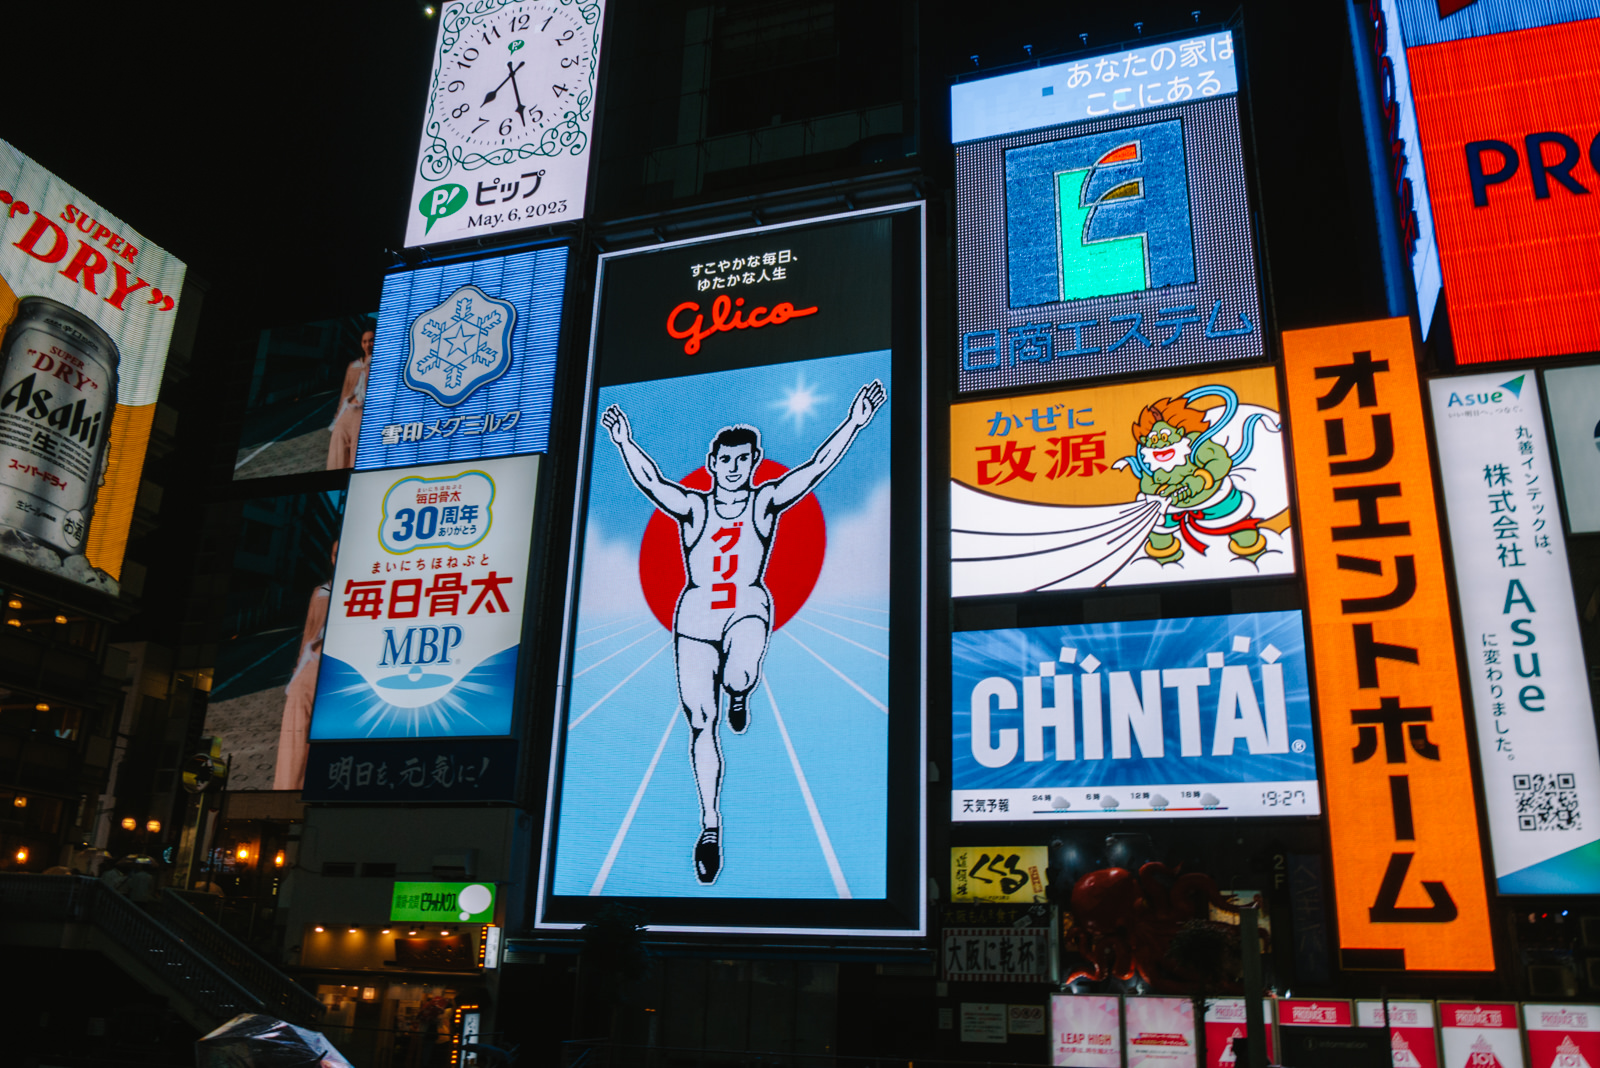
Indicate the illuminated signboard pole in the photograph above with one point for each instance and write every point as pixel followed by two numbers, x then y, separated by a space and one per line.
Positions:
pixel 1402 811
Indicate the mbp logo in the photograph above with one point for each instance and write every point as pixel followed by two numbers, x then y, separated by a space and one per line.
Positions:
pixel 1098 215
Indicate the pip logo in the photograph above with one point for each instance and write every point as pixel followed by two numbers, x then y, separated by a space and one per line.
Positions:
pixel 1097 215
pixel 460 345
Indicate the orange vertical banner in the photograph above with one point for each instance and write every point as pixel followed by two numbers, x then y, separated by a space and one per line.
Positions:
pixel 1402 815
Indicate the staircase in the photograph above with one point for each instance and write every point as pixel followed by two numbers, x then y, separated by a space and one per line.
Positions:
pixel 206 975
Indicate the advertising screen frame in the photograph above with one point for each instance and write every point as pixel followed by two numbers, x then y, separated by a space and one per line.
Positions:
pixel 903 911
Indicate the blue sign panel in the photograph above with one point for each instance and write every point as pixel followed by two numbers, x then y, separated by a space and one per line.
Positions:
pixel 1148 719
pixel 464 362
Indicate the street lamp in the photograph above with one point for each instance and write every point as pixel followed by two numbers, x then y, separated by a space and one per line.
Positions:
pixel 154 826
pixel 129 823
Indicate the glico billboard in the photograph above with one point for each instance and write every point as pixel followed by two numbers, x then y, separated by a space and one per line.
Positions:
pixel 739 737
pixel 1102 217
pixel 87 306
pixel 1503 106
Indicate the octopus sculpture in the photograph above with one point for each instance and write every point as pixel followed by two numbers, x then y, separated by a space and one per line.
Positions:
pixel 1124 924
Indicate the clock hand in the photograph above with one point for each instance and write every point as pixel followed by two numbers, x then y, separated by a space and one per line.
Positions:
pixel 522 112
pixel 508 78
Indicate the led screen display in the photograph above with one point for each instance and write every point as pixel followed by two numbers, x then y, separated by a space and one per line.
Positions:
pixel 1530 683
pixel 507 126
pixel 425 620
pixel 1573 394
pixel 743 688
pixel 279 589
pixel 1511 161
pixel 1178 479
pixel 1402 811
pixel 303 405
pixel 1102 218
pixel 87 307
pixel 464 364
pixel 1141 720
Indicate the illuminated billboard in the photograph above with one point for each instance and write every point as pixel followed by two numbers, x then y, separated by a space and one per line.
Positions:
pixel 1530 681
pixel 302 409
pixel 268 658
pixel 1477 1033
pixel 741 713
pixel 425 623
pixel 1157 719
pixel 507 128
pixel 1102 217
pixel 998 873
pixel 87 307
pixel 1177 479
pixel 1573 394
pixel 1402 811
pixel 464 364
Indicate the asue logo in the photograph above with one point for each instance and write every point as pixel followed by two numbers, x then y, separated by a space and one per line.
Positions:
pixel 1503 158
pixel 1495 396
pixel 1098 215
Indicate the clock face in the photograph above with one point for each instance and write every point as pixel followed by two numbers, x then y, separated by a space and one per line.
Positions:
pixel 513 74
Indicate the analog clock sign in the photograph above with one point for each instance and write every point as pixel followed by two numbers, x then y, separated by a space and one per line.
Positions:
pixel 505 137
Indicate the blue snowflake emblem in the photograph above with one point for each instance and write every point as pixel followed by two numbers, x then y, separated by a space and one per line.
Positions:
pixel 460 345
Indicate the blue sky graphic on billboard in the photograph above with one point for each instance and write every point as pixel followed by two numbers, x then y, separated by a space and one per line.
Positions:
pixel 1148 719
pixel 1102 217
pixel 425 622
pixel 628 808
pixel 464 363
pixel 1097 215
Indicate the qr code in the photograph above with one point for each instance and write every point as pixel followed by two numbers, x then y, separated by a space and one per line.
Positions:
pixel 1547 802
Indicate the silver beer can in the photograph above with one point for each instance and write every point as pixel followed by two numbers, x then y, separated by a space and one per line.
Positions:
pixel 58 390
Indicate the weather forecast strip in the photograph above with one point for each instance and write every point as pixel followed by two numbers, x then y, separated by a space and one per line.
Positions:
pixel 1530 683
pixel 1172 480
pixel 464 362
pixel 1140 720
pixel 744 651
pixel 425 623
pixel 1402 813
pixel 1102 217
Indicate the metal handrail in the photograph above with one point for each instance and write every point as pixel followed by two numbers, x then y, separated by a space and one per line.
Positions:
pixel 284 997
pixel 178 960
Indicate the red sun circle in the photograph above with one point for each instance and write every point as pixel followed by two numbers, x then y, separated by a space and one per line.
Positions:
pixel 793 564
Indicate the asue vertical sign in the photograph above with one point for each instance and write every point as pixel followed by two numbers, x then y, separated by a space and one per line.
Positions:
pixel 1402 820
pixel 1530 686
pixel 745 615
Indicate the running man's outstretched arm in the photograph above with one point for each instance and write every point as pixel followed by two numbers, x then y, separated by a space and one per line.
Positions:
pixel 665 494
pixel 803 479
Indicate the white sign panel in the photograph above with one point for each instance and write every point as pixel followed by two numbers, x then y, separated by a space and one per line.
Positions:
pixel 1025 1019
pixel 1536 733
pixel 1086 1030
pixel 425 622
pixel 510 112
pixel 1161 1032
pixel 1000 954
pixel 983 1021
pixel 1480 1036
pixel 1575 414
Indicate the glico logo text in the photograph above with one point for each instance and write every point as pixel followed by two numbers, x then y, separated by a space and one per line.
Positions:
pixel 697 329
pixel 1494 162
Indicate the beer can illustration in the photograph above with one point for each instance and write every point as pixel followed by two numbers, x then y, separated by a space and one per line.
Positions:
pixel 58 390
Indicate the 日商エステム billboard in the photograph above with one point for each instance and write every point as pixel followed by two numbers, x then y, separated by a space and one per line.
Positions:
pixel 1138 720
pixel 1102 217
pixel 464 363
pixel 87 307
pixel 741 713
pixel 1172 480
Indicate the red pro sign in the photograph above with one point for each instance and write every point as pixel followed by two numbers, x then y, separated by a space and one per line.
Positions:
pixel 1510 130
pixel 1562 1036
pixel 1327 1012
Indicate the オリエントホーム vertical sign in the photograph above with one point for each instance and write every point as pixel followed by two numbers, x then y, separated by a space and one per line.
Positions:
pixel 1402 815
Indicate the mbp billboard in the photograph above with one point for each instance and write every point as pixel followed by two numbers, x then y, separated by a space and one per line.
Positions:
pixel 739 734
pixel 1102 217
pixel 464 363
pixel 87 307
pixel 1140 720
pixel 1177 479
pixel 1530 680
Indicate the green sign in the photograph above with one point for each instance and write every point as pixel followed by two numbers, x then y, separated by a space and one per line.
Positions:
pixel 443 903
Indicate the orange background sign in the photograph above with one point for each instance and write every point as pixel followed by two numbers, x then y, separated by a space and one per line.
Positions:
pixel 1520 271
pixel 1402 817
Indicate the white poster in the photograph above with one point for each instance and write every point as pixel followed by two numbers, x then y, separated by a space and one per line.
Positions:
pixel 425 619
pixel 1536 733
pixel 1025 1019
pixel 1161 1032
pixel 507 126
pixel 1480 1036
pixel 1086 1031
pixel 1575 414
pixel 983 1021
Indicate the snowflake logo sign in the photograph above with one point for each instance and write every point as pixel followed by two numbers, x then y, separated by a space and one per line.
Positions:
pixel 460 345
